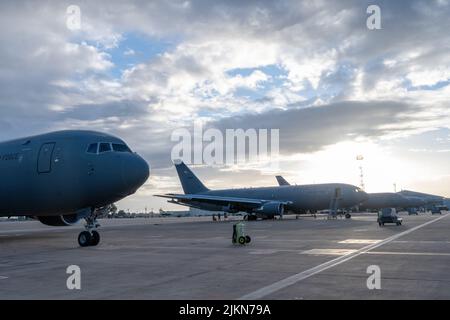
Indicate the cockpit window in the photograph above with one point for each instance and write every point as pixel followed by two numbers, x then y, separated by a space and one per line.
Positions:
pixel 104 147
pixel 118 147
pixel 96 148
pixel 92 148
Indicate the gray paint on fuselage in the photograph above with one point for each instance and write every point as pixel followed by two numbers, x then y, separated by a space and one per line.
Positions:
pixel 390 200
pixel 75 180
pixel 303 197
pixel 429 199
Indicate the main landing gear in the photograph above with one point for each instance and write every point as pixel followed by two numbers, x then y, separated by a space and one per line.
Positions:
pixel 90 237
pixel 250 217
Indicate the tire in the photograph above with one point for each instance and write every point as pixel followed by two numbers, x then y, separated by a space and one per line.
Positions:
pixel 247 239
pixel 95 238
pixel 379 223
pixel 84 239
pixel 348 215
pixel 241 240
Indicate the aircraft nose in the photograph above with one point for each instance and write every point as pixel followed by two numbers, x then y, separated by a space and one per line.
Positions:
pixel 135 171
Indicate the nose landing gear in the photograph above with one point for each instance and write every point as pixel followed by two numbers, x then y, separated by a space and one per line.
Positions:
pixel 90 237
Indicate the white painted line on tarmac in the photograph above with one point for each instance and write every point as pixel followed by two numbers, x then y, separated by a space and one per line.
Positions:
pixel 264 251
pixel 330 252
pixel 359 241
pixel 423 241
pixel 289 281
pixel 3 277
pixel 409 253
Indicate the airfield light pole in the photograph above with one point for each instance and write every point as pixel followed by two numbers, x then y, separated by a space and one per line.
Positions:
pixel 361 172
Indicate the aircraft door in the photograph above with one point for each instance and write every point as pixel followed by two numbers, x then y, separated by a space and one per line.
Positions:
pixel 337 193
pixel 45 157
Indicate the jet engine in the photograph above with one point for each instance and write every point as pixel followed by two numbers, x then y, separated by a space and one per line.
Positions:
pixel 272 209
pixel 62 220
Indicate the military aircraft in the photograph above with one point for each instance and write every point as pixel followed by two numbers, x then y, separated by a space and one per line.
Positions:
pixel 381 200
pixel 61 177
pixel 264 202
pixel 390 200
pixel 429 199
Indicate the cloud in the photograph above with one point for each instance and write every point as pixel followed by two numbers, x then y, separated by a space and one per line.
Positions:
pixel 304 130
pixel 129 52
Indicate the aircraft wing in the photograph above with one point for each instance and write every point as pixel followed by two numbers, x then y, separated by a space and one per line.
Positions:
pixel 241 203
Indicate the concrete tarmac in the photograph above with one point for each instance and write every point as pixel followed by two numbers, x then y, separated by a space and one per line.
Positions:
pixel 193 258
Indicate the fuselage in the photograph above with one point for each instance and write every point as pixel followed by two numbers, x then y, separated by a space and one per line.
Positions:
pixel 65 171
pixel 301 197
pixel 390 200
pixel 428 199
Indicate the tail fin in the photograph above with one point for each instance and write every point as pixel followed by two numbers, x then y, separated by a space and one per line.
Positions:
pixel 190 183
pixel 282 181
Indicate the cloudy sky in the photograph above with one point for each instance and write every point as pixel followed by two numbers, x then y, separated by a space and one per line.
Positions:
pixel 334 88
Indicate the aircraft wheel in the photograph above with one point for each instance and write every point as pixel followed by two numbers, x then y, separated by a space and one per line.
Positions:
pixel 84 239
pixel 95 239
pixel 248 239
pixel 241 240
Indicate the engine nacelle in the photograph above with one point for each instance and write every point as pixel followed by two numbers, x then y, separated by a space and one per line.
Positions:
pixel 59 221
pixel 272 209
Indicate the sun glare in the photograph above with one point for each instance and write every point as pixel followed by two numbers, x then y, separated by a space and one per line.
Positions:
pixel 338 163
